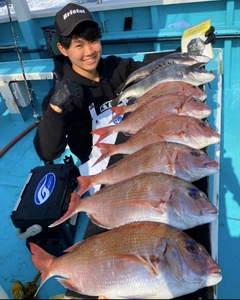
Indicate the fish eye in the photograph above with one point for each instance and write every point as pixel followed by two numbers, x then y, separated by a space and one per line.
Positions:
pixel 195 152
pixel 194 100
pixel 194 193
pixel 192 248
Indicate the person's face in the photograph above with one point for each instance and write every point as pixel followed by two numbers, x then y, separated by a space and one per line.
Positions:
pixel 84 56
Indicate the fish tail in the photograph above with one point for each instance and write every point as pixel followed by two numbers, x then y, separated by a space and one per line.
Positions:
pixel 119 110
pixel 106 150
pixel 85 182
pixel 115 101
pixel 42 261
pixel 103 132
pixel 73 208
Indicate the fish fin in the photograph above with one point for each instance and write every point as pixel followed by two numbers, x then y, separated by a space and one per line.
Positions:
pixel 171 158
pixel 158 138
pixel 152 268
pixel 141 77
pixel 177 110
pixel 182 135
pixel 155 119
pixel 103 132
pixel 95 221
pixel 75 246
pixel 68 284
pixel 144 204
pixel 106 150
pixel 73 208
pixel 102 297
pixel 181 73
pixel 42 261
pixel 136 259
pixel 85 182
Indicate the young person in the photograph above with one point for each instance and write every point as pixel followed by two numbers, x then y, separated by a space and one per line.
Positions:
pixel 85 83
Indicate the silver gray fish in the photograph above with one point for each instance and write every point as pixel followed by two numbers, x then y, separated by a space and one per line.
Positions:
pixel 194 75
pixel 187 58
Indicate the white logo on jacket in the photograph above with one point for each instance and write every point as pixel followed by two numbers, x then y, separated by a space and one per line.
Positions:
pixel 105 106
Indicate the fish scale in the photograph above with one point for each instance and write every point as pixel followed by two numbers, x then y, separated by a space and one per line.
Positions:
pixel 171 128
pixel 146 197
pixel 169 158
pixel 165 88
pixel 137 260
pixel 187 58
pixel 156 109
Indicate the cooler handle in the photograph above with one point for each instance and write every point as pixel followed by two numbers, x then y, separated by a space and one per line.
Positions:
pixel 31 231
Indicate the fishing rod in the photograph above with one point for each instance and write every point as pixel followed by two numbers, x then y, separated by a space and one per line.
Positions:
pixel 35 115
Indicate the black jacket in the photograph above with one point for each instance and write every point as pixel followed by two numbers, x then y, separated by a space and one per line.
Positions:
pixel 73 126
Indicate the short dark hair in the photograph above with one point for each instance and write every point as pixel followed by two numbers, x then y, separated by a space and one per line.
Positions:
pixel 87 30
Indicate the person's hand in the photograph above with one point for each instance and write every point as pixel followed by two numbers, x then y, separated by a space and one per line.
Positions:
pixel 64 93
pixel 210 35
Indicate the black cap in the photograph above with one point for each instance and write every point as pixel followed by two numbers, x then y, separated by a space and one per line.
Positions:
pixel 69 17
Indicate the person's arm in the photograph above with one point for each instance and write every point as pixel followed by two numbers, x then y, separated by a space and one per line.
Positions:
pixel 50 139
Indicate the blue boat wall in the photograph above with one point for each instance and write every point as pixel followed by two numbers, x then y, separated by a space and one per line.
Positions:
pixel 131 28
pixel 128 26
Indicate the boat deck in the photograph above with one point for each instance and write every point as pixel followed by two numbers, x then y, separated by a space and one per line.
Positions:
pixel 15 165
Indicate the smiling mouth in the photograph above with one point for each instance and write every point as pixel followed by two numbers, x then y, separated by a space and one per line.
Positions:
pixel 91 59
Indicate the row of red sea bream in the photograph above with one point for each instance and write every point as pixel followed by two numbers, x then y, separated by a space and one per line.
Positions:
pixel 149 196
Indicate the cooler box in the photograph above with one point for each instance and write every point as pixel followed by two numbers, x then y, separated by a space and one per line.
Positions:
pixel 43 200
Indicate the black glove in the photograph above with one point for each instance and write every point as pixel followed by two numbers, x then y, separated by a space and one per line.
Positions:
pixel 64 93
pixel 210 35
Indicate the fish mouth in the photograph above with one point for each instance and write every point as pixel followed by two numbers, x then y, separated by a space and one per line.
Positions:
pixel 214 270
pixel 203 59
pixel 202 76
pixel 212 164
pixel 214 276
pixel 203 97
pixel 201 114
pixel 215 135
pixel 210 211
